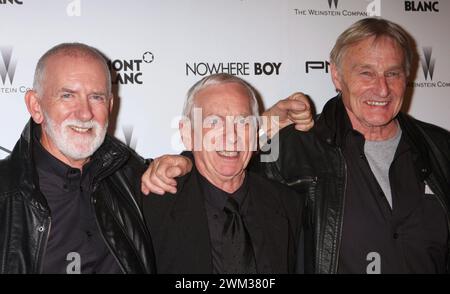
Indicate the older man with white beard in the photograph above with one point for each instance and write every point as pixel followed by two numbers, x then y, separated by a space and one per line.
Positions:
pixel 69 193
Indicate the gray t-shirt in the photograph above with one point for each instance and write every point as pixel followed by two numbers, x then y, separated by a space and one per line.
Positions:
pixel 380 155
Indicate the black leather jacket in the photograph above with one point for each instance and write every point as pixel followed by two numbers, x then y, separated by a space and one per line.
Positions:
pixel 312 163
pixel 25 219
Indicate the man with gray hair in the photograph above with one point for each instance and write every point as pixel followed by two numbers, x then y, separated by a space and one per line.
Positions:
pixel 223 218
pixel 70 199
pixel 376 181
pixel 70 193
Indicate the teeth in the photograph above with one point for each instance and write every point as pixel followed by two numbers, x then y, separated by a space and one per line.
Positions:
pixel 228 153
pixel 377 103
pixel 80 130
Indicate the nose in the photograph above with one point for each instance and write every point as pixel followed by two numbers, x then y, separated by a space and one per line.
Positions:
pixel 84 110
pixel 382 87
pixel 230 137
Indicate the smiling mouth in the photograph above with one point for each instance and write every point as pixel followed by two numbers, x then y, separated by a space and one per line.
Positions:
pixel 80 130
pixel 376 103
pixel 228 154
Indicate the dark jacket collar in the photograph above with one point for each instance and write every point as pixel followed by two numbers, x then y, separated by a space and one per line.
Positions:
pixel 333 123
pixel 110 156
pixel 264 214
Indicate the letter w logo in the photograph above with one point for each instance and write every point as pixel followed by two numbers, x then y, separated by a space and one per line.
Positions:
pixel 335 3
pixel 7 66
pixel 428 63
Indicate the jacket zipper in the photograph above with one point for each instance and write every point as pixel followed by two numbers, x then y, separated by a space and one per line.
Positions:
pixel 300 181
pixel 101 232
pixel 444 206
pixel 44 245
pixel 338 245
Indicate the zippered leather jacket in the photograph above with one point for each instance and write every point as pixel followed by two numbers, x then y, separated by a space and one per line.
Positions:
pixel 25 218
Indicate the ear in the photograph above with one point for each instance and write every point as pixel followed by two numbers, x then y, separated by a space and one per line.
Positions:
pixel 186 133
pixel 336 77
pixel 111 103
pixel 34 107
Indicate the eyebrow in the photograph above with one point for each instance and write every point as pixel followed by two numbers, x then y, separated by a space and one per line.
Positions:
pixel 73 91
pixel 368 66
pixel 235 115
pixel 67 90
pixel 99 93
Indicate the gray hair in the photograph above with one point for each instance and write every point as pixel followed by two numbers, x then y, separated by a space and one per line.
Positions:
pixel 69 49
pixel 218 79
pixel 373 27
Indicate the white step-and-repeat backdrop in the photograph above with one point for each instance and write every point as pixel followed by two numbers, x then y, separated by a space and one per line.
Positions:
pixel 159 48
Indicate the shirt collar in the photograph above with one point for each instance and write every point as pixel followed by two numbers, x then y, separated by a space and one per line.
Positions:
pixel 64 174
pixel 218 198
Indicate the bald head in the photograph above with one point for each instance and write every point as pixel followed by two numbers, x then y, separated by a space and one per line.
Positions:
pixel 75 50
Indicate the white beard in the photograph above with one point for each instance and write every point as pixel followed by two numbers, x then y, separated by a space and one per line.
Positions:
pixel 75 146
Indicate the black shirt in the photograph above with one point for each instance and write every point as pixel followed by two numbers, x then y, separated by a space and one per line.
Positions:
pixel 409 238
pixel 74 241
pixel 215 200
